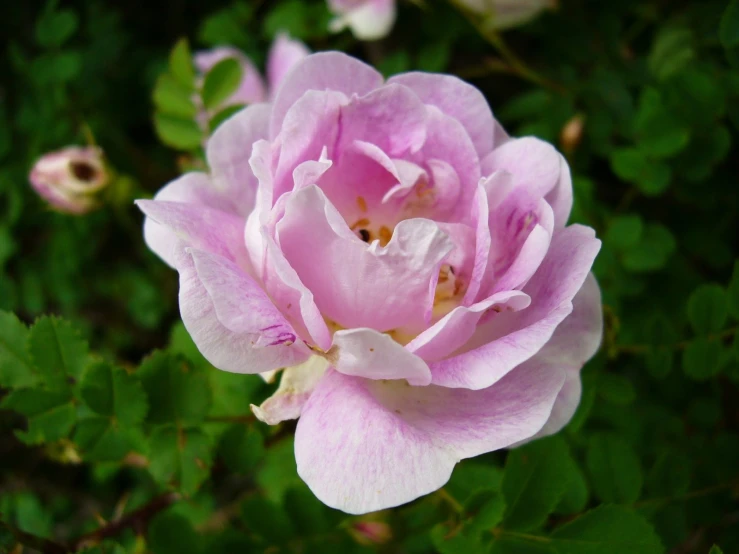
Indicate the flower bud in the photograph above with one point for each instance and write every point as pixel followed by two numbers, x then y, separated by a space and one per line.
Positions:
pixel 371 532
pixel 507 13
pixel 70 179
pixel 571 133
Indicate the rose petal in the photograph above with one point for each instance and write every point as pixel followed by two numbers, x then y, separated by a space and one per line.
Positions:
pixel 284 54
pixel 201 227
pixel 374 355
pixel 325 71
pixel 458 99
pixel 364 445
pixel 511 338
pixel 228 153
pixel 354 284
pixel 222 347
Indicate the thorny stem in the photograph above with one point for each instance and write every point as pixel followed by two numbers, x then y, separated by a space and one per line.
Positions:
pixel 137 520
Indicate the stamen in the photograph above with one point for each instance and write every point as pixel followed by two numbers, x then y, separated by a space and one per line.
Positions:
pixel 364 234
pixel 362 203
pixel 385 235
pixel 360 223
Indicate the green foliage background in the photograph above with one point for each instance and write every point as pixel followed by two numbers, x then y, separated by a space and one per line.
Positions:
pixel 116 436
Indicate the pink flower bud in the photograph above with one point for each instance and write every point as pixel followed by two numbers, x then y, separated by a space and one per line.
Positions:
pixel 70 179
pixel 371 532
pixel 507 13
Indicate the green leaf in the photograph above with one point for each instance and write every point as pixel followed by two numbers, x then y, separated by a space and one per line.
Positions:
pixel 489 514
pixel 732 292
pixel 221 82
pixel 534 481
pixel 652 252
pixel 51 415
pixel 729 28
pixel 302 20
pixel 180 457
pixel 223 115
pixel 173 99
pixel 707 309
pixel 242 448
pixel 171 533
pixel 659 133
pixel 576 494
pixel 177 391
pixel 120 404
pixel 454 541
pixel 672 51
pixel 16 369
pixel 632 165
pixel 607 530
pixel 505 544
pixel 54 28
pixel 279 471
pixel 701 359
pixel 307 513
pixel 616 389
pixel 624 231
pixel 177 132
pixel 180 65
pixel 470 478
pixel 614 468
pixel 267 520
pixel 715 549
pixel 58 352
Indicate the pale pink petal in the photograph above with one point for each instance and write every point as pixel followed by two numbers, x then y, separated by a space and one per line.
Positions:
pixel 224 348
pixel 193 188
pixel 479 216
pixel 296 385
pixel 373 355
pixel 536 165
pixel 458 99
pixel 363 445
pixel 228 153
pixel 509 339
pixel 201 227
pixel 455 328
pixel 325 71
pixel 355 284
pixel 575 341
pixel 283 56
pixel 368 19
pixel 292 297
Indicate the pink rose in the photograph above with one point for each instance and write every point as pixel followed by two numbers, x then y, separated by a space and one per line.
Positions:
pixel 402 258
pixel 71 178
pixel 367 19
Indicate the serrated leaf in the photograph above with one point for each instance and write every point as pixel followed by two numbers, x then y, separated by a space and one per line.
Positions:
pixel 652 252
pixel 607 530
pixel 242 448
pixel 178 392
pixel 279 471
pixel 51 415
pixel 516 545
pixel 672 50
pixel 180 457
pixel 307 513
pixel 103 439
pixel 177 132
pixel 16 369
pixel 659 133
pixel 632 165
pixel 181 66
pixel 173 99
pixel 535 478
pixel 576 495
pixel 221 82
pixel 58 352
pixel 614 468
pixel 112 392
pixel 715 549
pixel 701 359
pixel 732 292
pixel 707 309
pixel 471 478
pixel 489 514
